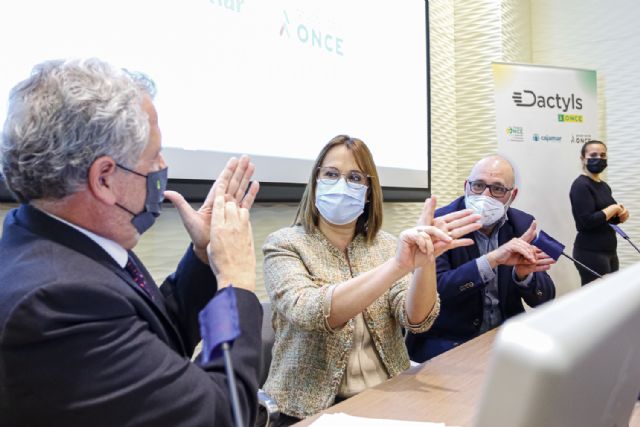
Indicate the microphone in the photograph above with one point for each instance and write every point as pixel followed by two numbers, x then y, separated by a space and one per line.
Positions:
pixel 219 327
pixel 554 249
pixel 624 236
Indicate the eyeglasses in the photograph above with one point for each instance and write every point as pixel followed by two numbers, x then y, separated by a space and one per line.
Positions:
pixel 496 190
pixel 331 175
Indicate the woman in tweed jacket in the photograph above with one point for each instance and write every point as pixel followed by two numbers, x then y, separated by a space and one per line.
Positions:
pixel 340 288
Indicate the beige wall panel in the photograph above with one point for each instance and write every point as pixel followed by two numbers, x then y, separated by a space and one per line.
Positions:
pixel 444 144
pixel 478 42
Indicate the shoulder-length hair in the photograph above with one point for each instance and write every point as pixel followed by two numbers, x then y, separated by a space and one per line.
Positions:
pixel 370 221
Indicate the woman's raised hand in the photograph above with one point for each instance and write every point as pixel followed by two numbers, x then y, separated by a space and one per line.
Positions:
pixel 454 225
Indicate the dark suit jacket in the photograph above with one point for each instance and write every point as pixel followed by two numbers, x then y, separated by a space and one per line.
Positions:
pixel 461 289
pixel 82 345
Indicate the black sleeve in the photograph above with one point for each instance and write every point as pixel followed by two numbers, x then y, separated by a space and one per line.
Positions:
pixel 186 292
pixel 583 206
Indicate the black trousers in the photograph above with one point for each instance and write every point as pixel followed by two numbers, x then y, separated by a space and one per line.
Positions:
pixel 598 261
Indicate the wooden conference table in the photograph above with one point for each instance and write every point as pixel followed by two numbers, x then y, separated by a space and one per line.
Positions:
pixel 445 389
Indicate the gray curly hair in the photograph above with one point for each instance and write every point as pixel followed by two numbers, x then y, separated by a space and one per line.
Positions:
pixel 63 117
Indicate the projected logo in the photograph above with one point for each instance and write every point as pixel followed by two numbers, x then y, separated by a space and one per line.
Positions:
pixel 311 35
pixel 528 98
pixel 234 5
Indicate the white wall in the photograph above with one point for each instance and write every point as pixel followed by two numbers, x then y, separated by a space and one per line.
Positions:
pixel 605 36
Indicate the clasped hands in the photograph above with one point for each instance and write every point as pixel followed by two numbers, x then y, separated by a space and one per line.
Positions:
pixel 431 237
pixel 623 213
pixel 524 257
pixel 220 230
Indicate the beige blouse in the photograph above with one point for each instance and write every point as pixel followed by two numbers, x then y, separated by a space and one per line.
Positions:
pixel 364 367
pixel 309 358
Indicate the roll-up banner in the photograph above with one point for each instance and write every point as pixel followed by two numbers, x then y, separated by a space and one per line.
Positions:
pixel 543 116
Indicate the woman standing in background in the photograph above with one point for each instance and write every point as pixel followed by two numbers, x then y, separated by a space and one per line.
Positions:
pixel 594 208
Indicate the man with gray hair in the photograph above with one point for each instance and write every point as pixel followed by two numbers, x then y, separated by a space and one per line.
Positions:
pixel 482 285
pixel 86 336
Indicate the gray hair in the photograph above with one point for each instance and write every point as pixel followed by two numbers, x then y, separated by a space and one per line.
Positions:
pixel 63 117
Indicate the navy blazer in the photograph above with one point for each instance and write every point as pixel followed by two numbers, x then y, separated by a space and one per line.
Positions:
pixel 461 288
pixel 82 345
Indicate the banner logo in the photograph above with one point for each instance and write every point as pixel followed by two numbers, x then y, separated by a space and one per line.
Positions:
pixel 528 98
pixel 570 118
pixel 580 138
pixel 546 138
pixel 515 134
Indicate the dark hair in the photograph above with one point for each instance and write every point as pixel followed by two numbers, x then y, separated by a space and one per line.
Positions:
pixel 583 150
pixel 370 221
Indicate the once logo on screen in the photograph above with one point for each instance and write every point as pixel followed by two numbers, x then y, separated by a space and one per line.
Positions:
pixel 528 98
pixel 311 36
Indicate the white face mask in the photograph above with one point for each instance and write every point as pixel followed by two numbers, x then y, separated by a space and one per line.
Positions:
pixel 339 203
pixel 490 210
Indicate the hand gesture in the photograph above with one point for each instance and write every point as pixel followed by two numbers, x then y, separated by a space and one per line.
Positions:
pixel 623 215
pixel 454 225
pixel 420 245
pixel 235 178
pixel 516 251
pixel 230 250
pixel 415 247
pixel 543 263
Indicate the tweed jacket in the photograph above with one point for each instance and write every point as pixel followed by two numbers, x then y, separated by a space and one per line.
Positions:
pixel 309 359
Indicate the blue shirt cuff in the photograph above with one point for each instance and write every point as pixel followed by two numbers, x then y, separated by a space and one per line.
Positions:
pixel 522 283
pixel 486 272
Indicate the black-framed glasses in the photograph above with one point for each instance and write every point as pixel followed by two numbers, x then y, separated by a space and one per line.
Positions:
pixel 331 175
pixel 496 190
pixel 130 170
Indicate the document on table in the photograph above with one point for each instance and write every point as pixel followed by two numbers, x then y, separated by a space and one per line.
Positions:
pixel 342 419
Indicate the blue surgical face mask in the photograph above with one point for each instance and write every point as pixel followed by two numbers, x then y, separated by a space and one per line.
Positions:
pixel 340 203
pixel 156 185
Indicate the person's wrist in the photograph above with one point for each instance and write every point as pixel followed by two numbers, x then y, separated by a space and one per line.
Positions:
pixel 201 253
pixel 520 276
pixel 492 259
pixel 237 281
pixel 400 269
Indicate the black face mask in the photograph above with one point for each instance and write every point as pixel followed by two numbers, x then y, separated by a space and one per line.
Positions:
pixel 156 184
pixel 596 165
